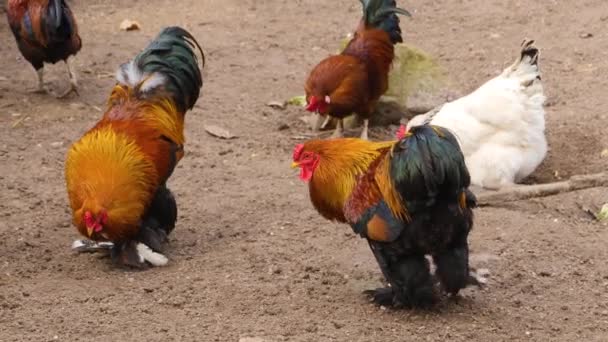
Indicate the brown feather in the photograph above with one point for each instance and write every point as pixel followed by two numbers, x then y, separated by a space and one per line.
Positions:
pixel 355 79
pixel 39 48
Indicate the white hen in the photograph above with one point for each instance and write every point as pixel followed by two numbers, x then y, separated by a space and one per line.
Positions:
pixel 501 125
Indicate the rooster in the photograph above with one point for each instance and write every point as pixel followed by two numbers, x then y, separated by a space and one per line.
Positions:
pixel 46 32
pixel 353 81
pixel 408 198
pixel 116 174
pixel 501 125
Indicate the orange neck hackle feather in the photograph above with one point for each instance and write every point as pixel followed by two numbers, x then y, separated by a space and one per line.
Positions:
pixel 160 114
pixel 107 170
pixel 342 161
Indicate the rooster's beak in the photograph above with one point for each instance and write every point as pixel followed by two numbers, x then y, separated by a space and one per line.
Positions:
pixel 294 165
pixel 89 231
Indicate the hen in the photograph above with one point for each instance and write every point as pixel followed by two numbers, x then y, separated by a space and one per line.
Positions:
pixel 353 81
pixel 46 32
pixel 408 198
pixel 501 125
pixel 116 174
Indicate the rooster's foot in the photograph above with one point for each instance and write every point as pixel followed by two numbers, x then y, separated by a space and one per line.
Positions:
pixel 73 89
pixel 381 296
pixel 89 246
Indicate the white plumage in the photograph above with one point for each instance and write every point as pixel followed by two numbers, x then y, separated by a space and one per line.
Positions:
pixel 130 74
pixel 501 125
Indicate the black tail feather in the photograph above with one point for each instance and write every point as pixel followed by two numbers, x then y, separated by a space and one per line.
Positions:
pixel 382 14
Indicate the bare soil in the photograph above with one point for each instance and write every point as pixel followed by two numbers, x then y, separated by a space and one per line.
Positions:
pixel 250 256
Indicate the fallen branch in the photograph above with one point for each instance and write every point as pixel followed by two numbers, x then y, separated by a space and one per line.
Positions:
pixel 522 192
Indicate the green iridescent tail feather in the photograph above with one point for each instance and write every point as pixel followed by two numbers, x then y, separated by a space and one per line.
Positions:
pixel 169 64
pixel 426 163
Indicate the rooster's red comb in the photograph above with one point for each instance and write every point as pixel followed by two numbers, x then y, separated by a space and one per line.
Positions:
pixel 297 151
pixel 401 132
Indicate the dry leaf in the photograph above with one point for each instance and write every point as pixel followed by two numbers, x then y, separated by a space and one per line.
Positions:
pixel 129 25
pixel 219 132
pixel 276 104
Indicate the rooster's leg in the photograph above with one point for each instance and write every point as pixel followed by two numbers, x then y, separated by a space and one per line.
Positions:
pixel 40 89
pixel 364 132
pixel 325 122
pixel 338 133
pixel 73 81
pixel 411 282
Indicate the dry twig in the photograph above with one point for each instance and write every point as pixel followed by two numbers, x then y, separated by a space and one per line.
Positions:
pixel 522 192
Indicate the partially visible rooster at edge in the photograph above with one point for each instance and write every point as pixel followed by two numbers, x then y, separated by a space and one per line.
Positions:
pixel 408 198
pixel 501 125
pixel 116 173
pixel 46 32
pixel 353 81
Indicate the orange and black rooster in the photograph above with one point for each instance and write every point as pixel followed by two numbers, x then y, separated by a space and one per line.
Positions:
pixel 408 198
pixel 46 32
pixel 116 173
pixel 353 81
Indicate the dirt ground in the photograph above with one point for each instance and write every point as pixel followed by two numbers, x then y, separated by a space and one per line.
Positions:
pixel 250 256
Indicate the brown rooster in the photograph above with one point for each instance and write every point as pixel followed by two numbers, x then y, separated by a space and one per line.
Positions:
pixel 408 198
pixel 116 173
pixel 46 32
pixel 353 81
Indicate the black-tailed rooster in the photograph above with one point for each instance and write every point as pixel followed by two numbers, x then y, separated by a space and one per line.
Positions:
pixel 116 174
pixel 408 198
pixel 46 32
pixel 353 81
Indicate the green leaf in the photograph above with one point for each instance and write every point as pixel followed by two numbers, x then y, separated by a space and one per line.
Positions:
pixel 603 213
pixel 297 101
